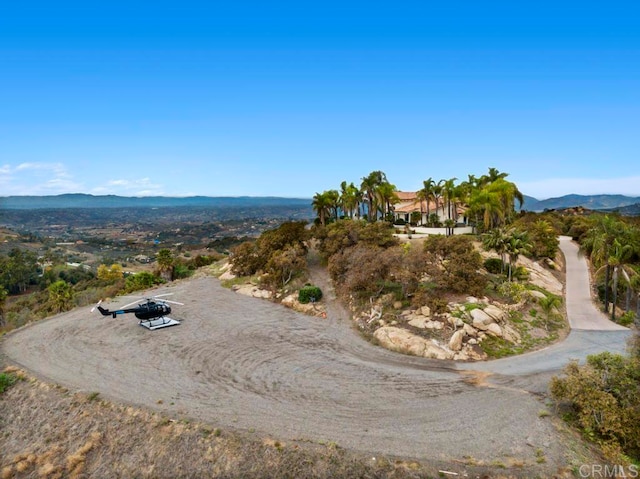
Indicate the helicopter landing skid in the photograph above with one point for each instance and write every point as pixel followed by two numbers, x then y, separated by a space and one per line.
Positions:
pixel 153 324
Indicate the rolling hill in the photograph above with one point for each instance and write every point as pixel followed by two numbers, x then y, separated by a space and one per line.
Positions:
pixel 592 202
pixel 80 200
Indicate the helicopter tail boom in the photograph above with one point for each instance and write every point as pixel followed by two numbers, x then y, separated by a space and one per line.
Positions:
pixel 106 312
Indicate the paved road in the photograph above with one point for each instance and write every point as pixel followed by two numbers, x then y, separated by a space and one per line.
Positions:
pixel 240 362
pixel 581 311
pixel 591 331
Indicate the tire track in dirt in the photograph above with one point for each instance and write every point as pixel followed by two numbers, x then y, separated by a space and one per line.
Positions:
pixel 245 363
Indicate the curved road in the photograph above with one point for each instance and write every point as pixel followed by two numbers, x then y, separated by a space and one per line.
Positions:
pixel 244 363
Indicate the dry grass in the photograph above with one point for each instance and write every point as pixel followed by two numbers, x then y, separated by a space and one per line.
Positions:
pixel 48 432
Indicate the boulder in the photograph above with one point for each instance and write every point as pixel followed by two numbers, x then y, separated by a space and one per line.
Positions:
pixel 480 319
pixel 494 329
pixel 418 321
pixel 455 343
pixel 312 309
pixel 252 290
pixel 499 315
pixel 470 330
pixel 433 325
pixel 226 275
pixel 399 339
pixel 454 322
pixel 511 334
pixel 535 294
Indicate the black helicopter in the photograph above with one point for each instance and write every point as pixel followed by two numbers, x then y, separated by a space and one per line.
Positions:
pixel 151 312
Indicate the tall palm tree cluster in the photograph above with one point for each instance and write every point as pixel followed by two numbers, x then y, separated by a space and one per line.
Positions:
pixel 374 199
pixel 489 199
pixel 613 246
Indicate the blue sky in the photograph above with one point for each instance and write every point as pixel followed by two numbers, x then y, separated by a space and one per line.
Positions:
pixel 290 98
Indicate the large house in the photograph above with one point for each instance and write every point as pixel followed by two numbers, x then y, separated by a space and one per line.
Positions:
pixel 410 203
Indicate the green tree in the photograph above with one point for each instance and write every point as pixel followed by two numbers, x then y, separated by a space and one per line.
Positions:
pixel 18 270
pixel 321 204
pixel 387 197
pixel 619 256
pixel 449 196
pixel 369 187
pixel 284 265
pixel 544 239
pixel 549 305
pixel 603 399
pixel 141 280
pixel 496 240
pixel 426 194
pixel 454 264
pixel 517 243
pixel 110 273
pixel 597 244
pixel 486 203
pixel 61 296
pixel 3 298
pixel 166 262
pixel 350 197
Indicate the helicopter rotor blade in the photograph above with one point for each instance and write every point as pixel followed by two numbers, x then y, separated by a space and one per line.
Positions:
pixel 172 302
pixel 161 295
pixel 131 304
pixel 96 305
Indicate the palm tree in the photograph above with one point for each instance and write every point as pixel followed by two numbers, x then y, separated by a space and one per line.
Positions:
pixel 437 195
pixel 507 193
pixel 426 193
pixel 349 201
pixel 597 245
pixel 549 304
pixel 61 295
pixel 165 263
pixel 620 254
pixel 369 188
pixel 496 240
pixel 517 244
pixel 333 197
pixel 321 204
pixel 487 203
pixel 493 175
pixel 449 195
pixel 387 197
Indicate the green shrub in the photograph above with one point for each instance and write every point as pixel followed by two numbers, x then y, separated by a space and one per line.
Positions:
pixel 6 381
pixel 627 318
pixel 309 294
pixel 521 273
pixel 601 398
pixel 513 291
pixel 494 265
pixel 142 280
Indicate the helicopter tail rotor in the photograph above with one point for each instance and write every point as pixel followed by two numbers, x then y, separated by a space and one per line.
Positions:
pixel 96 305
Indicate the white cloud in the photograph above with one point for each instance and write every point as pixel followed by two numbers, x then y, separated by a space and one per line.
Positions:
pixel 555 187
pixel 37 179
pixel 123 187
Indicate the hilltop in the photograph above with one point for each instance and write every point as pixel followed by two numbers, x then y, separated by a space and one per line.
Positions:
pixel 81 200
pixel 625 204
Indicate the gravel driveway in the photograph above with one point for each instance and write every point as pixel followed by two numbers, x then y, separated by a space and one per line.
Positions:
pixel 244 363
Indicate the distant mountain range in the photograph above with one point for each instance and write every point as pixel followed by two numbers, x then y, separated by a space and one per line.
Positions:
pixel 623 204
pixel 627 205
pixel 80 200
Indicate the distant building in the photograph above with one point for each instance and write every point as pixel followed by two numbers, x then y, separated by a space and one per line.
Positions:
pixel 410 203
